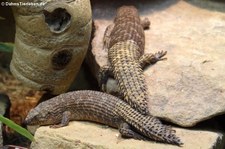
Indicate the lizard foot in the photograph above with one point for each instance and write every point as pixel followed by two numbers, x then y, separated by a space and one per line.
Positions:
pixel 159 55
pixel 149 58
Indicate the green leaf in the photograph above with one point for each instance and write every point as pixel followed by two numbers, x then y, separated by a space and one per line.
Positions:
pixel 17 128
pixel 6 47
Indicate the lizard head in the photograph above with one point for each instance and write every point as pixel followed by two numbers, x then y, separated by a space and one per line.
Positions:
pixel 42 115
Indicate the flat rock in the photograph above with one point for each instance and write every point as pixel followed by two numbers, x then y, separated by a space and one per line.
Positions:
pixel 91 135
pixel 189 86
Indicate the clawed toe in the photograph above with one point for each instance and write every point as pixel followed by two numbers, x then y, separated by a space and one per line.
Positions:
pixel 160 54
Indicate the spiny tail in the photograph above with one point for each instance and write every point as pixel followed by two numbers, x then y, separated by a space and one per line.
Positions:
pixel 148 125
pixel 129 75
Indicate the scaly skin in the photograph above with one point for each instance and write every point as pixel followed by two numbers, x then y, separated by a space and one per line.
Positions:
pixel 125 42
pixel 102 108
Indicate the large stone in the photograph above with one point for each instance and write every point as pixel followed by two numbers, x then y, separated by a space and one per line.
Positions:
pixel 189 86
pixel 90 135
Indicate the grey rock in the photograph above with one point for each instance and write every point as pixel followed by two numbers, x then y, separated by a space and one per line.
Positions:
pixel 188 87
pixel 90 135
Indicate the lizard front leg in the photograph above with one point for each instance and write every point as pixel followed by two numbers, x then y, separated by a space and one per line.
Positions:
pixel 149 58
pixel 65 120
pixel 145 23
pixel 105 71
pixel 106 38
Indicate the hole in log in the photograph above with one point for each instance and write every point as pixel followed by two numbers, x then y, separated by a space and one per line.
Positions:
pixel 61 59
pixel 58 20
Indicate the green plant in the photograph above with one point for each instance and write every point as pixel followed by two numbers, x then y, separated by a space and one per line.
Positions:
pixel 17 128
pixel 6 47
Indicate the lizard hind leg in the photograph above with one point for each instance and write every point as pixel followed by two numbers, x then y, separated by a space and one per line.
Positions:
pixel 149 58
pixel 127 132
pixel 103 75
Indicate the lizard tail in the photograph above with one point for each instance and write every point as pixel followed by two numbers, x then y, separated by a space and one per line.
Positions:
pixel 129 75
pixel 148 125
